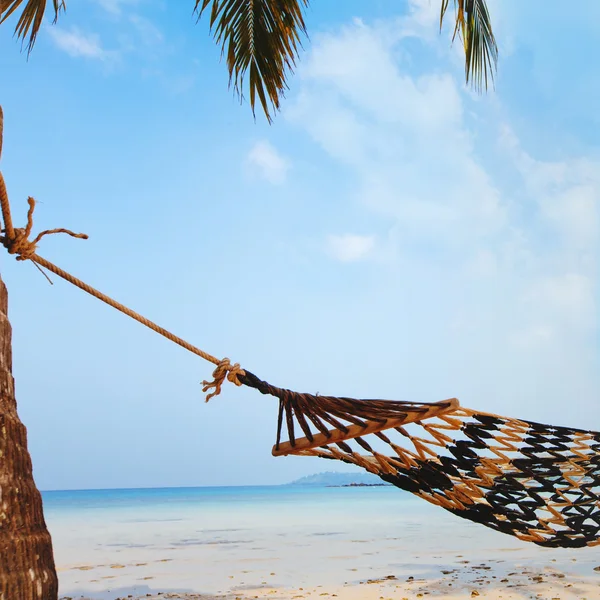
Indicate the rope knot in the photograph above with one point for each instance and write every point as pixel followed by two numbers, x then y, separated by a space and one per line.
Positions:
pixel 20 244
pixel 224 370
pixel 16 240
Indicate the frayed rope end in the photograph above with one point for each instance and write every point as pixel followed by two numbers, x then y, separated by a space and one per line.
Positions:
pixel 224 370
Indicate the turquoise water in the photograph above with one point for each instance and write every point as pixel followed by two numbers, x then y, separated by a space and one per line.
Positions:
pixel 57 502
pixel 214 539
pixel 258 511
pixel 201 538
pixel 253 509
pixel 239 507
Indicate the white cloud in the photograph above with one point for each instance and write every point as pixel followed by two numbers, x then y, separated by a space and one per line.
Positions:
pixel 567 193
pixel 566 300
pixel 496 249
pixel 268 162
pixel 111 6
pixel 349 247
pixel 135 38
pixel 424 12
pixel 533 337
pixel 483 264
pixel 115 7
pixel 78 44
pixel 149 33
pixel 403 137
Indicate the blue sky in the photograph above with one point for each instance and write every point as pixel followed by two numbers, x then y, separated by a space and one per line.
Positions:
pixel 391 235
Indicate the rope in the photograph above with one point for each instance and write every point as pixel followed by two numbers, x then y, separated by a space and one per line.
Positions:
pixel 16 241
pixel 19 243
pixel 3 193
pixel 224 368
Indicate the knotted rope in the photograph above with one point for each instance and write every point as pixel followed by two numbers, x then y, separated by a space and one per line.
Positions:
pixel 19 243
pixel 224 370
pixel 16 241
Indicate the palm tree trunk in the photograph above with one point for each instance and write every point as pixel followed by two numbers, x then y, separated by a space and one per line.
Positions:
pixel 27 570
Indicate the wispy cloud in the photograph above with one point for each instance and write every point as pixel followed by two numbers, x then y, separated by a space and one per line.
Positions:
pixel 350 247
pixel 265 159
pixel 149 33
pixel 78 44
pixel 403 137
pixel 115 7
pixel 136 41
pixel 512 239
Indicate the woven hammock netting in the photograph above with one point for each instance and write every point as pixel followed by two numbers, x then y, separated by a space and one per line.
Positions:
pixel 537 482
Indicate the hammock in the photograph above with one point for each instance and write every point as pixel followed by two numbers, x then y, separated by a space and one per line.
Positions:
pixel 536 482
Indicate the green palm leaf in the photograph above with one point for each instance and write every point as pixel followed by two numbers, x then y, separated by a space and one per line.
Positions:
pixel 260 39
pixel 474 26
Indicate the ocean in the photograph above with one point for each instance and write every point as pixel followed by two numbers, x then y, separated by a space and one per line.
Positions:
pixel 223 539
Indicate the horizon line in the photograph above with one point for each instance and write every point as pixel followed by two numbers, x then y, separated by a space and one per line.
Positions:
pixel 163 487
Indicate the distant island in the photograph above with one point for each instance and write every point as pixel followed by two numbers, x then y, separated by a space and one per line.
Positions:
pixel 381 484
pixel 337 479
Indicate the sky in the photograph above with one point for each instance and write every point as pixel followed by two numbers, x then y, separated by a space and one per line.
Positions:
pixel 392 234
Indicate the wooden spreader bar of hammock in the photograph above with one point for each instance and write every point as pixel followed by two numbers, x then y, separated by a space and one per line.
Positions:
pixel 354 431
pixel 366 416
pixel 537 482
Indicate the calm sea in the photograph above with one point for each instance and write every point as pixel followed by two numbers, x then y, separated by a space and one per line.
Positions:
pixel 57 502
pixel 254 510
pixel 205 539
pixel 251 509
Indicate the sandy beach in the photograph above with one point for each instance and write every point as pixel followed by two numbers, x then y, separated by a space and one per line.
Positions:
pixel 252 543
pixel 491 580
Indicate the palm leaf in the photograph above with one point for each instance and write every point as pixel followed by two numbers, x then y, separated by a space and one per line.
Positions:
pixel 31 17
pixel 474 26
pixel 260 39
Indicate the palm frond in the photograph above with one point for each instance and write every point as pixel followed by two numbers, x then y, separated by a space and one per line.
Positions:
pixel 473 25
pixel 31 17
pixel 261 40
